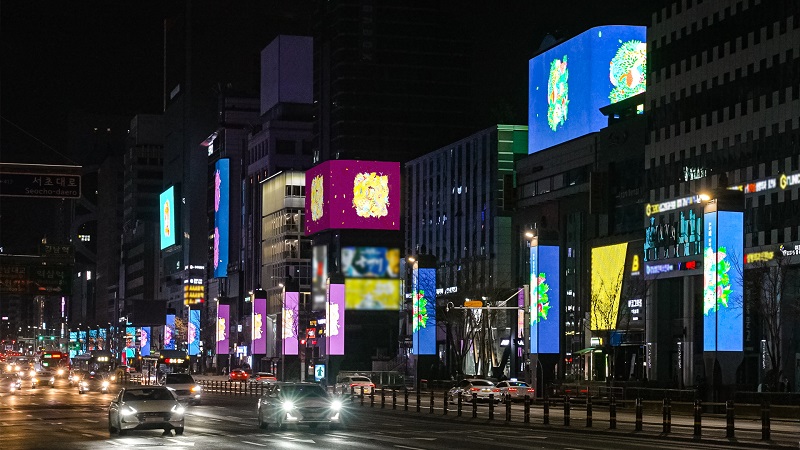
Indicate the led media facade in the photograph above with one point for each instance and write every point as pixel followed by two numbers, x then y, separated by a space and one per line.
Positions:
pixel 259 328
pixel 223 322
pixel 319 275
pixel 144 341
pixel 545 299
pixel 423 285
pixel 372 294
pixel 353 194
pixel 169 333
pixel 221 217
pixel 289 326
pixel 168 225
pixel 334 319
pixel 569 83
pixel 608 266
pixel 193 332
pixel 723 318
pixel 366 262
pixel 130 342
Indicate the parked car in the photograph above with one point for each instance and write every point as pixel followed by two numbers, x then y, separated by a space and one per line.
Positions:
pixel 515 390
pixel 265 378
pixel 184 387
pixel 145 408
pixel 354 384
pixel 299 403
pixel 238 375
pixel 482 388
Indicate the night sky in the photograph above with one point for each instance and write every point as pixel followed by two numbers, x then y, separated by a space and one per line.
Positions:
pixel 62 60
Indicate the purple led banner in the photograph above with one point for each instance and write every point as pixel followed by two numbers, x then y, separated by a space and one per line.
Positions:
pixel 223 323
pixel 259 337
pixel 334 319
pixel 289 325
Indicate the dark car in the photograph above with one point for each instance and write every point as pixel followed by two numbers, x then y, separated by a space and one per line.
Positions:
pixel 93 381
pixel 299 403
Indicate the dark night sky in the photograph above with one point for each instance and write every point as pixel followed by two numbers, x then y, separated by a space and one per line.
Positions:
pixel 105 58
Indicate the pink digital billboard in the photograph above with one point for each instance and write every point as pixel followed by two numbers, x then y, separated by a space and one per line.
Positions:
pixel 223 324
pixel 289 325
pixel 259 327
pixel 334 319
pixel 353 194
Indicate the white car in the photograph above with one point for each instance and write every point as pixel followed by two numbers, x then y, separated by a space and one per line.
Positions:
pixel 299 403
pixel 184 387
pixel 145 408
pixel 354 384
pixel 515 390
pixel 483 389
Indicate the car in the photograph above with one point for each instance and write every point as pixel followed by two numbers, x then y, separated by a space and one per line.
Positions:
pixel 238 375
pixel 93 381
pixel 354 384
pixel 75 376
pixel 10 382
pixel 145 408
pixel 468 386
pixel 515 390
pixel 62 372
pixel 265 378
pixel 299 403
pixel 184 387
pixel 28 377
pixel 44 378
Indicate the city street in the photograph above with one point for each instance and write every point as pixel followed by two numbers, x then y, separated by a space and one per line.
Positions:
pixel 60 417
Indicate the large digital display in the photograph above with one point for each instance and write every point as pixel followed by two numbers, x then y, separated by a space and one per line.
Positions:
pixel 169 333
pixel 289 325
pixel 259 326
pixel 608 266
pixel 221 217
pixel 144 341
pixel 378 262
pixel 569 83
pixel 130 342
pixel 545 299
pixel 168 226
pixel 423 327
pixel 223 326
pixel 353 194
pixel 372 294
pixel 193 332
pixel 723 318
pixel 319 275
pixel 334 319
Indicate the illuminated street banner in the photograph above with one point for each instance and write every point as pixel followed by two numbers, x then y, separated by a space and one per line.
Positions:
pixel 169 333
pixel 372 294
pixel 423 283
pixel 569 83
pixel 370 262
pixel 144 341
pixel 259 337
pixel 319 275
pixel 289 325
pixel 723 318
pixel 608 270
pixel 221 217
pixel 169 227
pixel 223 327
pixel 334 319
pixel 545 299
pixel 193 332
pixel 130 342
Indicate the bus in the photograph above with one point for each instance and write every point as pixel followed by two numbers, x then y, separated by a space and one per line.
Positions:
pixel 94 361
pixel 56 361
pixel 157 365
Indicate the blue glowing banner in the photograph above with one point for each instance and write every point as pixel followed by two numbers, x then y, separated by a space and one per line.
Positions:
pixel 221 217
pixel 130 342
pixel 723 318
pixel 169 333
pixel 423 285
pixel 144 341
pixel 168 226
pixel 545 295
pixel 193 332
pixel 569 83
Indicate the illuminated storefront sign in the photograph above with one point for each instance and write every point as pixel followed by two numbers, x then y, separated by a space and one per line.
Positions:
pixel 655 208
pixel 755 257
pixel 545 299
pixel 223 325
pixel 193 294
pixel 723 323
pixel 656 269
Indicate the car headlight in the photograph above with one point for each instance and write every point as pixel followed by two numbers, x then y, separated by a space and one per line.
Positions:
pixel 127 411
pixel 52 379
pixel 35 380
pixel 288 405
pixel 113 377
pixel 178 409
pixel 84 384
pixel 32 373
pixel 336 405
pixel 197 388
pixel 105 384
pixel 60 372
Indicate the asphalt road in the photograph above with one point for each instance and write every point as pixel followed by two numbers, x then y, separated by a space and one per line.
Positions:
pixel 62 419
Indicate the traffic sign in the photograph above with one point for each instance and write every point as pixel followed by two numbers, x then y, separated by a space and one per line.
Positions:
pixel 319 372
pixel 473 304
pixel 41 181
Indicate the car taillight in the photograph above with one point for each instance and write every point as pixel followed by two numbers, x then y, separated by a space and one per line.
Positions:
pixel 530 389
pixel 474 389
pixel 371 385
pixel 496 390
pixel 353 385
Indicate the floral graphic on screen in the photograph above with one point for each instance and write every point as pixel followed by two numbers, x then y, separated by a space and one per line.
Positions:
pixel 216 247
pixel 542 299
pixel 217 183
pixel 627 70
pixel 258 323
pixel 167 225
pixel 332 319
pixel 557 93
pixel 288 324
pixel 317 198
pixel 420 311
pixel 371 195
pixel 221 327
pixel 718 281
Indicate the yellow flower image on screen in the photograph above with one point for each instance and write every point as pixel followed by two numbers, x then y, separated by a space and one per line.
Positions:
pixel 257 322
pixel 317 198
pixel 371 293
pixel 221 327
pixel 332 318
pixel 371 195
pixel 288 324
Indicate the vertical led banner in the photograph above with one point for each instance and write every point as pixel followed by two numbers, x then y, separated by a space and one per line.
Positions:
pixel 545 299
pixel 259 326
pixel 130 342
pixel 223 319
pixel 423 284
pixel 169 333
pixel 221 217
pixel 193 332
pixel 289 325
pixel 168 226
pixel 144 341
pixel 334 319
pixel 723 317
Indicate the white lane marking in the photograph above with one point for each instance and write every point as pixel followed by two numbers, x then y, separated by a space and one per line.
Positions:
pixel 91 420
pixel 412 448
pixel 424 438
pixel 181 443
pixel 113 443
pixel 254 443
